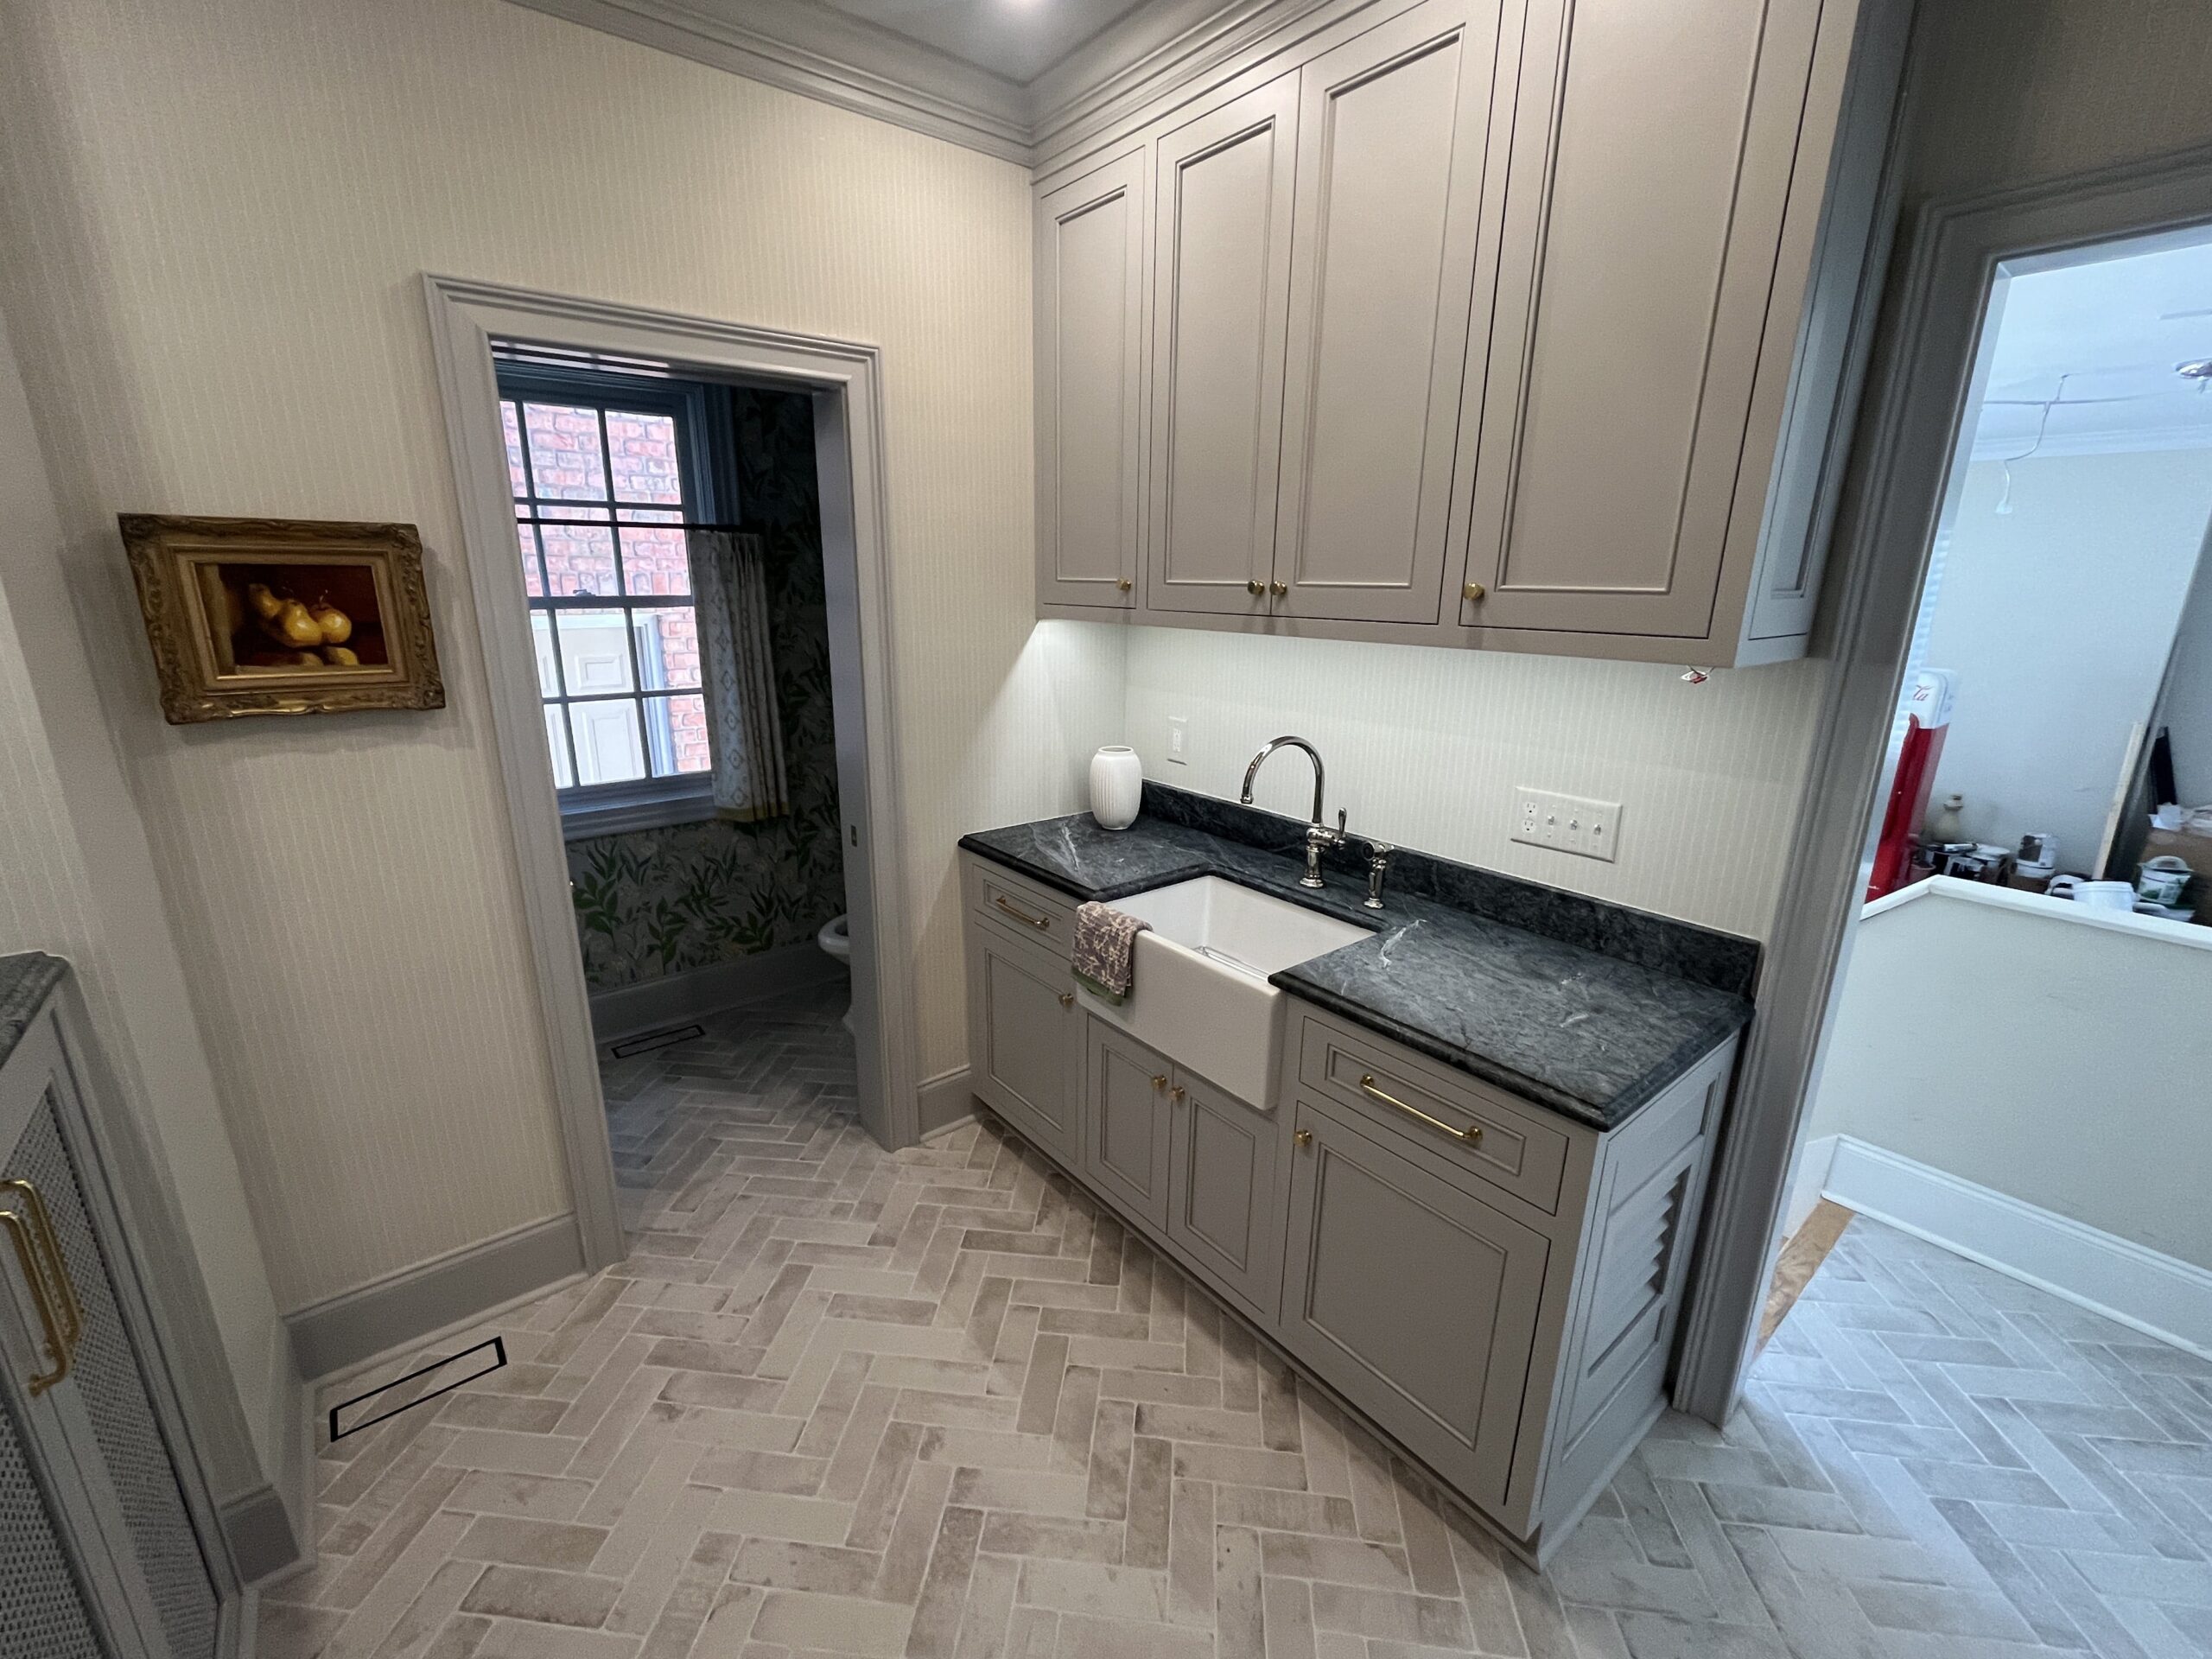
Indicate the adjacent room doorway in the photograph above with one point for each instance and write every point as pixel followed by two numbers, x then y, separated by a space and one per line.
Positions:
pixel 597 448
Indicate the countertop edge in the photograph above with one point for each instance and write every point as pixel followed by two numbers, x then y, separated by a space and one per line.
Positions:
pixel 1603 1119
pixel 1195 866
pixel 28 979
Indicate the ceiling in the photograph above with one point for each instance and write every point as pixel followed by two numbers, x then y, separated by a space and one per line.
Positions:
pixel 2112 330
pixel 1017 39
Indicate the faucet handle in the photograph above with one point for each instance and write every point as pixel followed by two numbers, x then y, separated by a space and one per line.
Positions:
pixel 1341 837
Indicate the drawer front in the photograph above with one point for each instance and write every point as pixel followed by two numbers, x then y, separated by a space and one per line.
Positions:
pixel 1411 1295
pixel 1033 911
pixel 1511 1148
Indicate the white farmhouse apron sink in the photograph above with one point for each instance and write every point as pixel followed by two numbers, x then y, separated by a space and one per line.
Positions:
pixel 1201 994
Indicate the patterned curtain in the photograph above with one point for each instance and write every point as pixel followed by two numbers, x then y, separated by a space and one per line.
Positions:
pixel 729 579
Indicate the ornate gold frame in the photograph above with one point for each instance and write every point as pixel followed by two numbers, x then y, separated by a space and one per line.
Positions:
pixel 172 558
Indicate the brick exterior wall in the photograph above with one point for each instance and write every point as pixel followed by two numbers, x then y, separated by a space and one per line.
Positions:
pixel 567 463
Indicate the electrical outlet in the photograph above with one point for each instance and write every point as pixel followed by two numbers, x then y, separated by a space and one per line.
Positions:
pixel 1178 732
pixel 1566 823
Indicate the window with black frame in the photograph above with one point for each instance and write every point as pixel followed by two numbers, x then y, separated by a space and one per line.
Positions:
pixel 606 468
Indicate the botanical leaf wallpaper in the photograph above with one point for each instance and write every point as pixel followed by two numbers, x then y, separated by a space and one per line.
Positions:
pixel 654 902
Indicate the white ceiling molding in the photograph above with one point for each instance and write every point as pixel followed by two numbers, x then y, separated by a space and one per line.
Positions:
pixel 820 53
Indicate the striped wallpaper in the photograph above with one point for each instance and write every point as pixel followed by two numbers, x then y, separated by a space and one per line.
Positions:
pixel 215 214
pixel 75 881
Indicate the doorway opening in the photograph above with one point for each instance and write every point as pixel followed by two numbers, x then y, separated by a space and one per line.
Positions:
pixel 670 530
pixel 675 529
pixel 2013 1057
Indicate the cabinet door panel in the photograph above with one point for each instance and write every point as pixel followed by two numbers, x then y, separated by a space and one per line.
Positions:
pixel 1385 266
pixel 1090 293
pixel 1018 1036
pixel 1221 290
pixel 1125 1096
pixel 1412 1296
pixel 1631 311
pixel 1222 1201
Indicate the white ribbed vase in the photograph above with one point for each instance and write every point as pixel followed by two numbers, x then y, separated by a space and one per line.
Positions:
pixel 1116 786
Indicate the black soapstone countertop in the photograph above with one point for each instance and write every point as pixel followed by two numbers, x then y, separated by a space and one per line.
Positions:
pixel 1588 1008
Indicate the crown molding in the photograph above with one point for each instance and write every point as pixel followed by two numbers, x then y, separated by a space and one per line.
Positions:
pixel 1107 83
pixel 820 53
pixel 1114 82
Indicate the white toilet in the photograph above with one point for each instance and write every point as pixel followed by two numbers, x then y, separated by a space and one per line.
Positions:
pixel 837 941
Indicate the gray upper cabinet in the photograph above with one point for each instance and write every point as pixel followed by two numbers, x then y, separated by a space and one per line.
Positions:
pixel 1221 256
pixel 1393 138
pixel 1090 359
pixel 1543 319
pixel 1657 294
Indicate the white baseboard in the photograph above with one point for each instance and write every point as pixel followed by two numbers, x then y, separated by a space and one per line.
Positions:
pixel 944 1103
pixel 1806 1181
pixel 2159 1296
pixel 673 999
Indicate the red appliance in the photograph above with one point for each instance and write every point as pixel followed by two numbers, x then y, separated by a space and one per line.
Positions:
pixel 1928 718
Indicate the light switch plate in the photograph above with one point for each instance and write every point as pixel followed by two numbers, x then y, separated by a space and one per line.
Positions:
pixel 1178 732
pixel 1566 823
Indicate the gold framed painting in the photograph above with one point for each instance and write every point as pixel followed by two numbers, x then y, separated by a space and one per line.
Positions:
pixel 282 616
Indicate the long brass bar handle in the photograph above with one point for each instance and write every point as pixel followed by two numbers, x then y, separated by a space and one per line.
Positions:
pixel 71 1310
pixel 1041 923
pixel 1472 1134
pixel 58 1348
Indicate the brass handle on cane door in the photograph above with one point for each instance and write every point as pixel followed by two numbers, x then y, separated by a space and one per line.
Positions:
pixel 38 1251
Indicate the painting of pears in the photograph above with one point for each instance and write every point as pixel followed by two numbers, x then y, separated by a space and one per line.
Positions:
pixel 296 619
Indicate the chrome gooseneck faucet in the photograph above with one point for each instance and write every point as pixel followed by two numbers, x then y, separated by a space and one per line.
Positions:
pixel 1319 835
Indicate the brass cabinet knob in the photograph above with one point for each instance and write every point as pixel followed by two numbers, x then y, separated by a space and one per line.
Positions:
pixel 1176 1094
pixel 1279 589
pixel 1473 590
pixel 1067 999
pixel 1255 586
pixel 1124 584
pixel 1160 1082
pixel 1303 1137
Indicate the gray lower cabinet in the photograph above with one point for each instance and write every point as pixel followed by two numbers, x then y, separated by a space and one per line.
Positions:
pixel 1023 1036
pixel 1125 1097
pixel 1223 1209
pixel 1495 1287
pixel 1409 1294
pixel 100 1553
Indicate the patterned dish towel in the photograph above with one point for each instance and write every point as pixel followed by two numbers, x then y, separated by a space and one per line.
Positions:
pixel 1106 951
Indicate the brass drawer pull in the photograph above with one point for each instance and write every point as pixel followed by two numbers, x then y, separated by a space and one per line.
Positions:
pixel 1042 924
pixel 46 1270
pixel 1472 1136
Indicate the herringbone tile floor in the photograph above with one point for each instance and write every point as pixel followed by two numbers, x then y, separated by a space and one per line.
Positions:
pixel 934 1403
